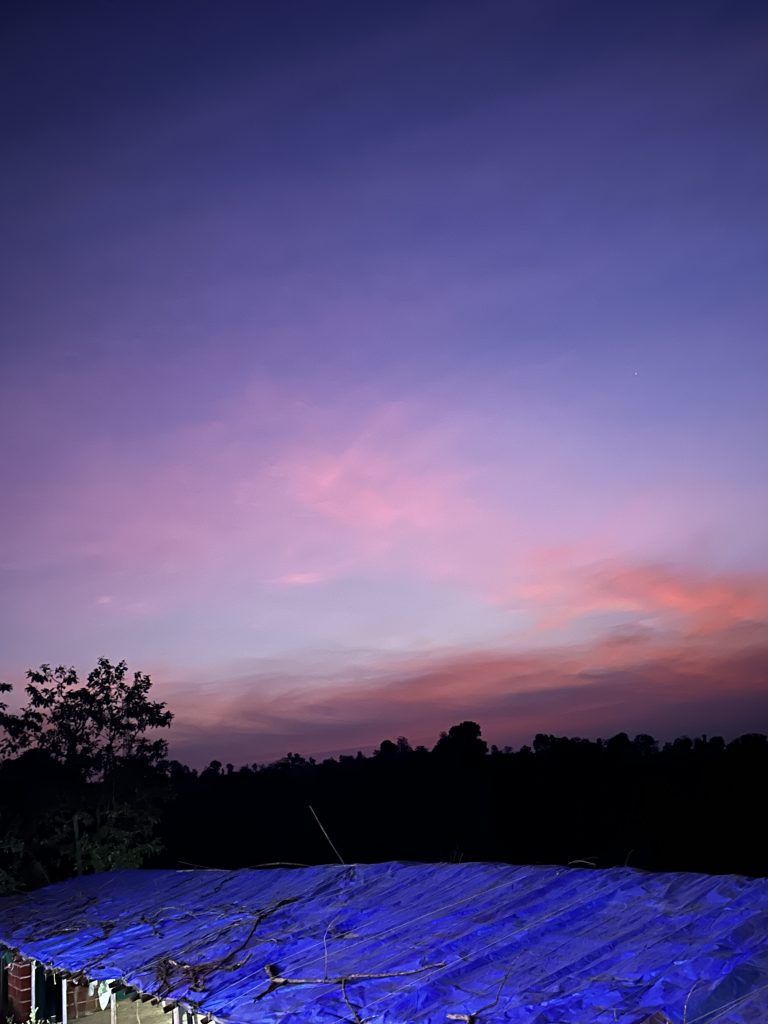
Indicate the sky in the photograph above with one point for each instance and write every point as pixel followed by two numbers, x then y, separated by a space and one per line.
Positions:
pixel 369 367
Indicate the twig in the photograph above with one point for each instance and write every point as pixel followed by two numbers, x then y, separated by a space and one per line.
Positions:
pixel 471 1018
pixel 277 864
pixel 687 999
pixel 325 944
pixel 204 867
pixel 330 842
pixel 355 1015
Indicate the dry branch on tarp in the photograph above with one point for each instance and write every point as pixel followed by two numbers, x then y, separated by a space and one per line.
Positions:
pixel 277 981
pixel 474 1015
pixel 196 974
pixel 354 1010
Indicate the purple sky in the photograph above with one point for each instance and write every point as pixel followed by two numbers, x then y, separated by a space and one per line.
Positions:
pixel 370 366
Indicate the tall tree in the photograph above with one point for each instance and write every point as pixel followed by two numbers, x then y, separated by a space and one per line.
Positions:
pixel 97 728
pixel 101 772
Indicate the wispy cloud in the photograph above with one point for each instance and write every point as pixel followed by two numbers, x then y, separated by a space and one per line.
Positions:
pixel 298 579
pixel 284 524
pixel 661 595
pixel 630 678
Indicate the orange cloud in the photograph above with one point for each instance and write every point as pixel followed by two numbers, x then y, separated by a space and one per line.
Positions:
pixel 626 681
pixel 663 596
pixel 705 603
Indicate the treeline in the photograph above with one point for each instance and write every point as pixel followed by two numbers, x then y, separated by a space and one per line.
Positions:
pixel 83 788
pixel 691 805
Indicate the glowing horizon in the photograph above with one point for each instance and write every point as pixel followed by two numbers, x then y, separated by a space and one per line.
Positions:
pixel 373 370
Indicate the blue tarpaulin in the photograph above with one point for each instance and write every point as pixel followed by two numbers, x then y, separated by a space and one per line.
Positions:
pixel 399 943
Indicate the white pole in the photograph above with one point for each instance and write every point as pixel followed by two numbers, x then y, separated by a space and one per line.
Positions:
pixel 63 1001
pixel 176 1013
pixel 113 1007
pixel 32 1001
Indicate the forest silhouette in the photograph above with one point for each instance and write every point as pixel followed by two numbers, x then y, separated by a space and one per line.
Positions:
pixel 83 788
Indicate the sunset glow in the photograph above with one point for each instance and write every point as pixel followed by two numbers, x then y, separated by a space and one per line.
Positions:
pixel 401 381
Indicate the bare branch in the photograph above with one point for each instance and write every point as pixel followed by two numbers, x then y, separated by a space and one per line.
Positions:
pixel 472 1018
pixel 276 981
pixel 355 1015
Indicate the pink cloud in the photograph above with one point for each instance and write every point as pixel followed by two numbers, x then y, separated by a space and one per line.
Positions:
pixel 299 579
pixel 277 492
pixel 664 596
pixel 704 602
pixel 692 656
pixel 382 486
pixel 692 675
pixel 623 682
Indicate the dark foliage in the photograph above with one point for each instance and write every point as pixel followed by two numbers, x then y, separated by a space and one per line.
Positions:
pixel 83 785
pixel 89 791
pixel 693 805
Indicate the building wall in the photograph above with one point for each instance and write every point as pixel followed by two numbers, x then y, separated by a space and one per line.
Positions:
pixel 79 1003
pixel 19 973
pixel 131 1013
pixel 17 1004
pixel 19 976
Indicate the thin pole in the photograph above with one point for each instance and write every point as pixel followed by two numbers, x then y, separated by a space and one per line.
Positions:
pixel 32 1000
pixel 113 1007
pixel 330 841
pixel 64 1000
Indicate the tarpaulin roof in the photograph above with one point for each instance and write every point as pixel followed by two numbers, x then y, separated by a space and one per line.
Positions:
pixel 399 943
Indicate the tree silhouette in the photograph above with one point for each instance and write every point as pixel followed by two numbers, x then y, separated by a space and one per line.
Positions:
pixel 97 777
pixel 462 742
pixel 85 786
